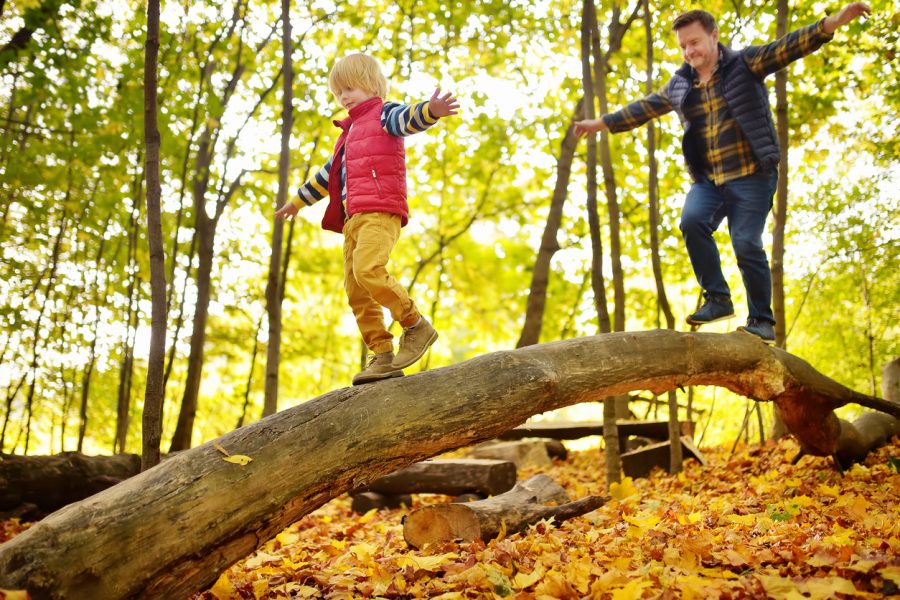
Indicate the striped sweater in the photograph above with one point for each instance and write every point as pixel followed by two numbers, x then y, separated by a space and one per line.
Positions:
pixel 400 120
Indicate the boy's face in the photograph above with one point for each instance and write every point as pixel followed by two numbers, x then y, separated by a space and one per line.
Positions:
pixel 350 97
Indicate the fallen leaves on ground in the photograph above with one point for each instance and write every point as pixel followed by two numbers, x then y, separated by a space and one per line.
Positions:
pixel 749 526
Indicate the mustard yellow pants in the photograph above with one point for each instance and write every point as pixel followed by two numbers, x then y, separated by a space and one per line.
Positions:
pixel 368 241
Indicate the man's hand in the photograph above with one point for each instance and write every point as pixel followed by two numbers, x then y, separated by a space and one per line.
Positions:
pixel 845 15
pixel 442 106
pixel 582 128
pixel 288 210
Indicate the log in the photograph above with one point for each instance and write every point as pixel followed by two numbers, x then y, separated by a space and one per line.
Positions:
pixel 448 476
pixel 171 530
pixel 51 482
pixel 521 453
pixel 363 502
pixel 573 430
pixel 511 512
pixel 869 431
pixel 639 462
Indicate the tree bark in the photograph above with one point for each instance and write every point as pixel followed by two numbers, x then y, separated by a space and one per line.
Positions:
pixel 452 477
pixel 275 283
pixel 151 420
pixel 173 529
pixel 507 513
pixel 51 482
pixel 540 274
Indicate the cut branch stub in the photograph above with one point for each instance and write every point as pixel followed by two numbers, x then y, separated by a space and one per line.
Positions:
pixel 511 512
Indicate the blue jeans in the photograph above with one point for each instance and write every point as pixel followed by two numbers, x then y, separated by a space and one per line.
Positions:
pixel 745 202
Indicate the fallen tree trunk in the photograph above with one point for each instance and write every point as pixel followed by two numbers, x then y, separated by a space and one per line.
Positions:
pixel 172 529
pixel 450 477
pixel 51 482
pixel 511 512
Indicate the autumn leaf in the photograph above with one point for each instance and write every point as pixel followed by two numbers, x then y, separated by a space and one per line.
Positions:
pixel 623 490
pixel 238 459
pixel 14 595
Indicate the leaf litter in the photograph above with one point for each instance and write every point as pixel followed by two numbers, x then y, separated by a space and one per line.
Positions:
pixel 749 526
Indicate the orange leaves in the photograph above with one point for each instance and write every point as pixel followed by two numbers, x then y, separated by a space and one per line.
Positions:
pixel 754 526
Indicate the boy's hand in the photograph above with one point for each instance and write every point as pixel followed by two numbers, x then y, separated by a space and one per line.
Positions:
pixel 288 210
pixel 442 106
pixel 582 128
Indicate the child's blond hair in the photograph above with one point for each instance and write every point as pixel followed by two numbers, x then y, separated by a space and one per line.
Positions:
pixel 359 71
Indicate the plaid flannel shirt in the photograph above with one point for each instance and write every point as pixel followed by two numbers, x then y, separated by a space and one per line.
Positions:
pixel 719 140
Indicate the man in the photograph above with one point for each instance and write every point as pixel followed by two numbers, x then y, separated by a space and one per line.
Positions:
pixel 731 151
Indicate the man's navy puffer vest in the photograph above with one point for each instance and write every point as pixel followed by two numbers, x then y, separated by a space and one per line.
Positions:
pixel 747 100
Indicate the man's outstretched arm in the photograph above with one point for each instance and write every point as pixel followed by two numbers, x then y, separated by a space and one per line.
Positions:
pixel 850 12
pixel 769 58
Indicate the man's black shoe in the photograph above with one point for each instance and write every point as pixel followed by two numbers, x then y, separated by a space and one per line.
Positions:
pixel 716 308
pixel 761 328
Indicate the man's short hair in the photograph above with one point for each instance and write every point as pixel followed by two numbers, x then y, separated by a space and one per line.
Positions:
pixel 694 16
pixel 358 71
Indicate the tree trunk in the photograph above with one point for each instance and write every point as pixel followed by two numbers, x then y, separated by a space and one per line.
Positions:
pixel 448 476
pixel 781 199
pixel 507 513
pixel 154 392
pixel 540 274
pixel 173 529
pixel 275 282
pixel 51 482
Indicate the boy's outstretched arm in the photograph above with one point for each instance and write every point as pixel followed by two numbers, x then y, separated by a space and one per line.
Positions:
pixel 309 193
pixel 443 106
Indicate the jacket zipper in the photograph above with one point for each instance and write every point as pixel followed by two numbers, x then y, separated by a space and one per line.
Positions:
pixel 377 184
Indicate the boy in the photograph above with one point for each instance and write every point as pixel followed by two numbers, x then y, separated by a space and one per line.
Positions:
pixel 365 180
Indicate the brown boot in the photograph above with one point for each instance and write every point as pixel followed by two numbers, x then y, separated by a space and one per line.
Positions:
pixel 414 342
pixel 378 367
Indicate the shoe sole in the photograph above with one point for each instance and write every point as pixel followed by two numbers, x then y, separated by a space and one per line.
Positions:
pixel 425 348
pixel 377 377
pixel 716 320
pixel 762 339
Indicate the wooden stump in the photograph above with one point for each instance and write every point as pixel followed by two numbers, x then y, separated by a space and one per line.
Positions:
pixel 639 462
pixel 511 512
pixel 521 453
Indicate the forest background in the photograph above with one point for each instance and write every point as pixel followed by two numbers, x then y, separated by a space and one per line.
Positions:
pixel 75 310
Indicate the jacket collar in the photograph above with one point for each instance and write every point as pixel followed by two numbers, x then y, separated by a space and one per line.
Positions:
pixel 374 103
pixel 726 57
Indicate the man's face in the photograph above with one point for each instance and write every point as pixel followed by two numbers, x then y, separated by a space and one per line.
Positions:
pixel 699 48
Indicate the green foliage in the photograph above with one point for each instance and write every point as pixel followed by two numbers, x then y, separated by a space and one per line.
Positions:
pixel 71 196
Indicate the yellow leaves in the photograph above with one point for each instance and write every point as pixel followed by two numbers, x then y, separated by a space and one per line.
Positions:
pixel 840 537
pixel 829 490
pixel 747 520
pixel 223 589
pixel 238 459
pixel 14 594
pixel 690 519
pixel 891 574
pixel 526 580
pixel 795 532
pixel 633 590
pixel 426 563
pixel 623 491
